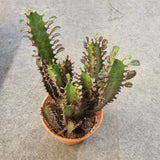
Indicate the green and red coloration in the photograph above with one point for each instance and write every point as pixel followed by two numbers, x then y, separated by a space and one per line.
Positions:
pixel 98 83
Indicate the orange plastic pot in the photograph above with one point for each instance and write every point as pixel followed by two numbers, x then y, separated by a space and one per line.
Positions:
pixel 98 121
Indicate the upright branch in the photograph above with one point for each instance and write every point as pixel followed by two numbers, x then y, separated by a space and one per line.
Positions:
pixel 79 96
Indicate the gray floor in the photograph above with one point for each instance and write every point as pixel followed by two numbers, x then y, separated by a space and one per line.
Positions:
pixel 131 125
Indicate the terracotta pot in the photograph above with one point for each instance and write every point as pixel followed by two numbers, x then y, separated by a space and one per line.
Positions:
pixel 98 121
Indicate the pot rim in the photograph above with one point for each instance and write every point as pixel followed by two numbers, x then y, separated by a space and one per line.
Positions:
pixel 98 121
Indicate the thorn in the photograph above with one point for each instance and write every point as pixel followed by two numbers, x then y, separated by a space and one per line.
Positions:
pixel 106 58
pixel 27 37
pixel 58 45
pixel 49 23
pixel 55 28
pixel 23 31
pixel 87 39
pixel 75 73
pixel 100 39
pixel 26 15
pixel 25 9
pixel 52 18
pixel 55 35
pixel 33 55
pixel 104 47
pixel 104 53
pixel 76 77
pixel 45 10
pixel 84 53
pixel 85 44
pixel 96 36
pixel 67 58
pixel 82 60
pixel 60 50
pixel 56 41
pixel 104 42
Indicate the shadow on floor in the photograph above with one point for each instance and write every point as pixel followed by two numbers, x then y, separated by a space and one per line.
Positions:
pixel 9 43
pixel 53 149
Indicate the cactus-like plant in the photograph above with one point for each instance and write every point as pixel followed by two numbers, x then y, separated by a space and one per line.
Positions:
pixel 76 96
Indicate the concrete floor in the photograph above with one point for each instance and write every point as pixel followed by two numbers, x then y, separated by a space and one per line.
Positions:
pixel 131 125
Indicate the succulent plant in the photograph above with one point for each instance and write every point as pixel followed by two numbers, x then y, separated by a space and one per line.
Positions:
pixel 75 96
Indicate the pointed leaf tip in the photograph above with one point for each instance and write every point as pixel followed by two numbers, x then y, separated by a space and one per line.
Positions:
pixel 55 28
pixel 127 57
pixel 128 84
pixel 25 9
pixel 96 36
pixel 45 10
pixel 134 63
pixel 85 44
pixel 115 50
pixel 52 18
pixel 104 42
pixel 100 39
pixel 23 31
pixel 60 50
pixel 87 39
pixel 130 74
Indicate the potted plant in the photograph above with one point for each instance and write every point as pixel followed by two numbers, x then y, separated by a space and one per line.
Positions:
pixel 72 111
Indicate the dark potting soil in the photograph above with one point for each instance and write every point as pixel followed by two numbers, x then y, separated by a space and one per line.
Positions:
pixel 84 128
